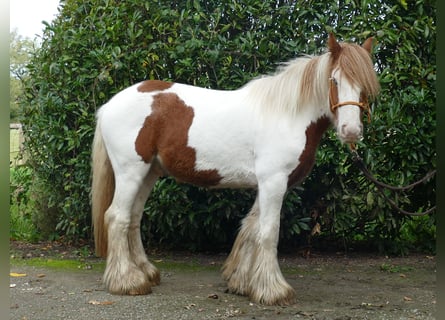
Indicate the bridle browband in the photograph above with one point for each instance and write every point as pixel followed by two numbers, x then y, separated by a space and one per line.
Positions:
pixel 334 104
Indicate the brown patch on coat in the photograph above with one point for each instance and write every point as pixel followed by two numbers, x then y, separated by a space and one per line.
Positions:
pixel 306 161
pixel 154 85
pixel 165 135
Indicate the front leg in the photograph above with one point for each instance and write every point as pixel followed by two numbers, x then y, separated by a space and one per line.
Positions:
pixel 267 284
pixel 237 268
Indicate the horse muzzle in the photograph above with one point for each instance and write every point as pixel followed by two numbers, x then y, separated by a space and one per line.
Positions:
pixel 350 133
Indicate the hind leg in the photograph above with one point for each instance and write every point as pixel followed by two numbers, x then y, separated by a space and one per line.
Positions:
pixel 134 233
pixel 122 275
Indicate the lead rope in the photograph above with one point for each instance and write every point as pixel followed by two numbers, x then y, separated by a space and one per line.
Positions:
pixel 358 161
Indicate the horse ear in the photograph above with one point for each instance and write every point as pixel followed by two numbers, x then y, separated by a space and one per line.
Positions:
pixel 333 46
pixel 367 45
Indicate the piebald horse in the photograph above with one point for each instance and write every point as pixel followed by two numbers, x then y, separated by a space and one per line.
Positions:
pixel 263 136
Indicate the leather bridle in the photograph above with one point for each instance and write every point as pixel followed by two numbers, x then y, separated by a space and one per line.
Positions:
pixel 335 104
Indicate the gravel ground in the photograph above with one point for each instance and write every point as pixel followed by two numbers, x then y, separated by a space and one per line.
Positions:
pixel 328 287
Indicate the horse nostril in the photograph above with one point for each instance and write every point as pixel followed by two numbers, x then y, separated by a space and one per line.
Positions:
pixel 351 131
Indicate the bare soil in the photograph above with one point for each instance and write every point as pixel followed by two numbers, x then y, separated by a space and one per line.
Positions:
pixel 329 286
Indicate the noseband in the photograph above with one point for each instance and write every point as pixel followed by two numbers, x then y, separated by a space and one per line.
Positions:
pixel 334 104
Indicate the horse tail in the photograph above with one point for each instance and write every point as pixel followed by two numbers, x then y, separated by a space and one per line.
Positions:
pixel 102 190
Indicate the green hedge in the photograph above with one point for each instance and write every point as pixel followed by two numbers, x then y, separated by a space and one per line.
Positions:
pixel 95 48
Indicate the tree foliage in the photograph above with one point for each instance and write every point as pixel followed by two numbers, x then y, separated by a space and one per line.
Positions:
pixel 20 51
pixel 95 48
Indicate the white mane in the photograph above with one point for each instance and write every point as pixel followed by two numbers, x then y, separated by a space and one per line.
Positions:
pixel 298 84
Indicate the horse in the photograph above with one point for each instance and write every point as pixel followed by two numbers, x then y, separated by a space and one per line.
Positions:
pixel 263 135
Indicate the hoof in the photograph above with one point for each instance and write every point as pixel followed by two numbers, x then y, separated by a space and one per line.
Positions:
pixel 130 290
pixel 152 273
pixel 131 282
pixel 139 291
pixel 155 279
pixel 284 298
pixel 238 285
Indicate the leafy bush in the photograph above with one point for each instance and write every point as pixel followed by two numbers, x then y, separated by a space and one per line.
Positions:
pixel 183 216
pixel 95 48
pixel 21 203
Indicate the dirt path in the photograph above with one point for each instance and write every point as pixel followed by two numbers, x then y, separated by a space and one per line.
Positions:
pixel 328 287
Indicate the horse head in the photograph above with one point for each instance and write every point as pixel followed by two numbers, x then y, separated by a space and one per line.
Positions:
pixel 352 81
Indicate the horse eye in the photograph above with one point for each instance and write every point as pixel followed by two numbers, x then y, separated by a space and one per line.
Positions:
pixel 334 81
